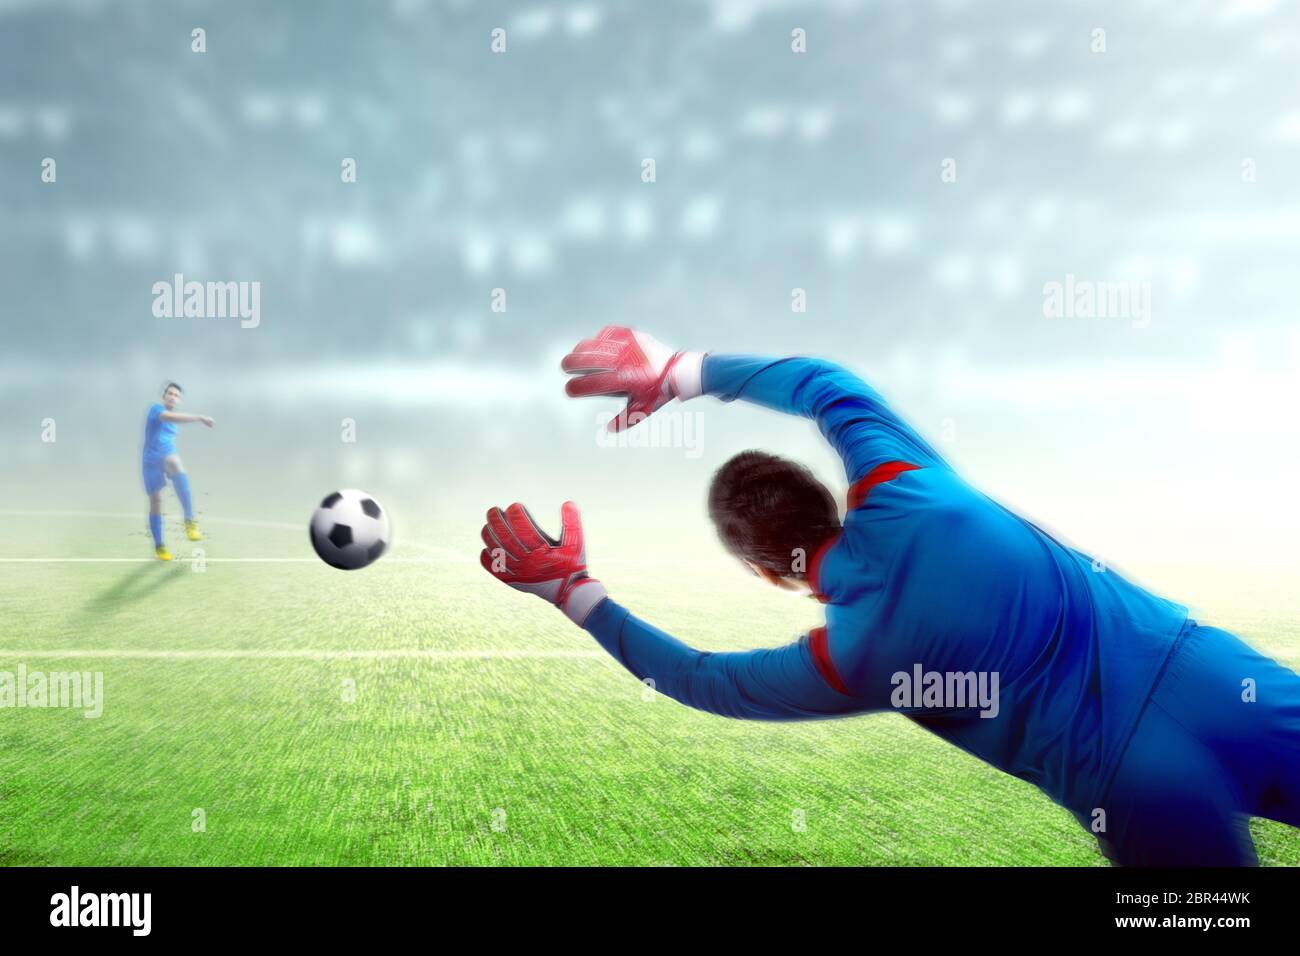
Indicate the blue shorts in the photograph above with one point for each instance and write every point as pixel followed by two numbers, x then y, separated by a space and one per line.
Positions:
pixel 1219 741
pixel 154 472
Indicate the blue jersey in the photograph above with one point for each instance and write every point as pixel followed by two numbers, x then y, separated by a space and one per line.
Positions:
pixel 159 435
pixel 929 576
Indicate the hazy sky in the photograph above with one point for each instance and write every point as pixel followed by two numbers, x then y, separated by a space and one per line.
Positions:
pixel 924 173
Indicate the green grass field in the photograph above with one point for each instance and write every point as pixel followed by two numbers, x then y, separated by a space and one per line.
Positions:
pixel 484 729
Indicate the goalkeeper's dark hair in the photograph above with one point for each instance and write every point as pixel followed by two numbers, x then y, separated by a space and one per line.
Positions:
pixel 769 510
pixel 174 385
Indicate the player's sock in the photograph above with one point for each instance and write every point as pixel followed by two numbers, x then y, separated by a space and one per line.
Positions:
pixel 181 483
pixel 155 525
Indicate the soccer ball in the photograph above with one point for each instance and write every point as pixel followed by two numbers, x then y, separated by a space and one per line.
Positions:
pixel 349 530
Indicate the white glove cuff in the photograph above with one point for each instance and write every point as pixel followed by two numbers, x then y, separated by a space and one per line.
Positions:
pixel 582 599
pixel 688 375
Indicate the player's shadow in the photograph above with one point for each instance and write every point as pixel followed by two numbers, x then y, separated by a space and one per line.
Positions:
pixel 140 580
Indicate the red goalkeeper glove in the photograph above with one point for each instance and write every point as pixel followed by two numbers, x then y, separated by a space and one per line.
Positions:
pixel 623 361
pixel 528 559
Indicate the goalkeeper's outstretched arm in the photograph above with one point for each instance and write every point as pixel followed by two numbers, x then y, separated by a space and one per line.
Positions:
pixel 854 418
pixel 794 682
pixel 781 683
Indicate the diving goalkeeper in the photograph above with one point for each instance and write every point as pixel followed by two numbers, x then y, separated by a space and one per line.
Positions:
pixel 1159 734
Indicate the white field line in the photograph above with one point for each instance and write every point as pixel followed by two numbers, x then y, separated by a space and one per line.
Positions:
pixel 442 555
pixel 179 558
pixel 438 555
pixel 184 559
pixel 293 654
pixel 136 515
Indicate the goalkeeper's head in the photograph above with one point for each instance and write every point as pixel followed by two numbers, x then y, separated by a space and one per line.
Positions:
pixel 772 514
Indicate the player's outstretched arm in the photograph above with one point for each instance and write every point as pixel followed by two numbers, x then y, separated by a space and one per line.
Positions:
pixel 518 552
pixel 784 683
pixel 621 361
pixel 780 683
pixel 630 364
pixel 855 419
pixel 185 418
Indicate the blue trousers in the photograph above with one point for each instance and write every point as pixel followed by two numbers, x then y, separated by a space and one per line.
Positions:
pixel 1219 741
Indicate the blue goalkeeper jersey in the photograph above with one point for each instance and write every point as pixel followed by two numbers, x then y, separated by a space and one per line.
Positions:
pixel 929 576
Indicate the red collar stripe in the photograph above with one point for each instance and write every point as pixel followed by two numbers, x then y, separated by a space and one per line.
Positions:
pixel 877 476
pixel 815 568
pixel 857 495
pixel 819 644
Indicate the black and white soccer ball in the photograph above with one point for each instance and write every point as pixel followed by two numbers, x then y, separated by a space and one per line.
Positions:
pixel 350 530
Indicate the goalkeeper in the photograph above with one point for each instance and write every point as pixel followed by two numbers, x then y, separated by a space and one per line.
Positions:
pixel 1159 734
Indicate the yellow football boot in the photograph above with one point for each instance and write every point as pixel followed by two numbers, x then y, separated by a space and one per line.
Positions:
pixel 192 530
pixel 162 552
